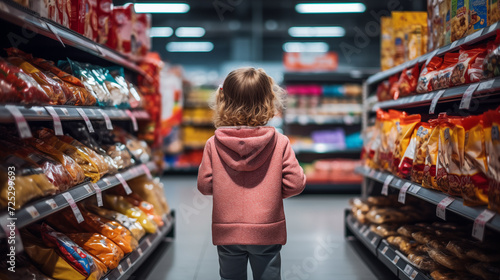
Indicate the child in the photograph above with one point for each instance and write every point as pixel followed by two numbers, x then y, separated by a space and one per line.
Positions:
pixel 249 169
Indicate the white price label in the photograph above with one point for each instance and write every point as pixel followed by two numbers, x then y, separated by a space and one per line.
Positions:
pixel 120 269
pixel 408 269
pixel 32 211
pixel 126 187
pixel 129 262
pixel 73 206
pixel 402 192
pixel 413 275
pixel 88 189
pixel 139 250
pixel 486 85
pixel 109 125
pixel 480 222
pixel 414 189
pixel 385 250
pixel 374 239
pixel 22 125
pixel 385 187
pixel 57 121
pixel 148 241
pixel 52 203
pixel 435 100
pixel 98 193
pixel 106 180
pixel 396 259
pixel 86 119
pixel 467 97
pixel 65 111
pixel 134 120
pixel 441 207
pixel 146 171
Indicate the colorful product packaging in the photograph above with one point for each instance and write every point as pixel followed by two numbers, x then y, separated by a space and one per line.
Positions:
pixel 457 156
pixel 386 43
pixel 459 19
pixel 428 72
pixel 104 9
pixel 408 81
pixel 406 163
pixel 121 29
pixel 405 129
pixel 466 60
pixel 491 123
pixel 142 25
pixel 431 155
pixel 493 11
pixel 445 14
pixel 478 15
pixel 422 139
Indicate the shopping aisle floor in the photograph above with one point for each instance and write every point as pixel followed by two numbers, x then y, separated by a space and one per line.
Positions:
pixel 316 248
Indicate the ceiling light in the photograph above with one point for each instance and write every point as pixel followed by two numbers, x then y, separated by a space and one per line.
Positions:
pixel 192 32
pixel 165 8
pixel 319 31
pixel 305 47
pixel 161 32
pixel 190 46
pixel 316 8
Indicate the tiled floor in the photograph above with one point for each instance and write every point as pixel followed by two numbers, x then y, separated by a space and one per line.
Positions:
pixel 316 248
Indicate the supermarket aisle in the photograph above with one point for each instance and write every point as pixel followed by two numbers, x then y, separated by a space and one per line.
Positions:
pixel 315 250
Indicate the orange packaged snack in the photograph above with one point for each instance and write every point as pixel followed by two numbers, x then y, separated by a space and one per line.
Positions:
pixel 151 190
pixel 406 163
pixel 491 123
pixel 408 81
pixel 422 139
pixel 375 141
pixel 431 155
pixel 443 76
pixel 405 129
pixel 457 156
pixel 428 71
pixel 395 117
pixel 475 167
pixel 100 247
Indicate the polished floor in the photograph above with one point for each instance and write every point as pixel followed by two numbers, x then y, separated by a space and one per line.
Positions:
pixel 316 247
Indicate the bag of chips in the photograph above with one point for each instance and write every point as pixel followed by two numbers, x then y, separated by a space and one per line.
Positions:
pixel 405 129
pixel 442 79
pixel 387 155
pixel 384 88
pixel 491 123
pixel 428 71
pixel 100 247
pixel 422 139
pixel 131 224
pixel 406 163
pixel 431 155
pixel 460 72
pixel 408 81
pixel 119 204
pixel 152 191
pixel 457 156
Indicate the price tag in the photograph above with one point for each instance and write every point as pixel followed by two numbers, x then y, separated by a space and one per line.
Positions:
pixel 480 222
pixel 98 193
pixel 396 259
pixel 54 31
pixel 485 85
pixel 363 228
pixel 413 275
pixel 402 192
pixel 467 97
pixel 493 27
pixel 129 262
pixel 385 250
pixel 146 171
pixel 74 208
pixel 433 54
pixel 86 119
pixel 93 112
pixel 106 180
pixel 32 211
pixel 453 45
pixel 22 126
pixel 120 269
pixel 435 101
pixel 408 269
pixel 65 111
pixel 124 183
pixel 414 189
pixel 372 173
pixel 367 231
pixel 355 225
pixel 385 187
pixel 374 239
pixel 4 224
pixel 52 203
pixel 109 125
pixel 139 250
pixel 134 120
pixel 441 207
pixel 148 241
pixel 57 121
pixel 88 189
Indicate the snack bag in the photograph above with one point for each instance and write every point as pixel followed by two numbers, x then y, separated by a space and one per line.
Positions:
pixel 474 180
pixel 422 140
pixel 121 25
pixel 142 25
pixel 405 131
pixel 445 13
pixel 428 72
pixel 118 203
pixel 139 149
pixel 119 94
pixel 408 81
pixel 98 159
pixel 442 79
pixel 493 11
pixel 444 153
pixel 100 247
pixel 386 44
pixel 135 99
pixel 457 156
pixel 459 19
pixel 375 141
pixel 431 155
pixel 132 225
pixel 152 191
pixel 104 9
pixel 406 164
pixel 399 20
pixel 460 72
pixel 491 123
pixel 478 15
pixel 388 138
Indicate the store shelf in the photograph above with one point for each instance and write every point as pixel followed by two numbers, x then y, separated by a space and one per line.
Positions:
pixel 322 120
pixel 43 207
pixel 354 76
pixel 28 19
pixel 70 113
pixel 323 149
pixel 389 256
pixel 431 196
pixel 478 36
pixel 485 89
pixel 130 263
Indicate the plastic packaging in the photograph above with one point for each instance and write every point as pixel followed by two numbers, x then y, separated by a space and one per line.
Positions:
pixel 100 247
pixel 405 131
pixel 461 72
pixel 406 163
pixel 442 79
pixel 422 139
pixel 138 148
pixel 431 157
pixel 408 81
pixel 96 158
pixel 131 224
pixel 491 128
pixel 428 71
pixel 119 204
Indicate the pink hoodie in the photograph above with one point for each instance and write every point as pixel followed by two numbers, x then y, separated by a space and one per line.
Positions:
pixel 249 171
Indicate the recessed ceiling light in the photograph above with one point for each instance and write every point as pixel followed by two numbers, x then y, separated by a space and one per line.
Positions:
pixel 305 47
pixel 192 32
pixel 190 46
pixel 161 32
pixel 316 8
pixel 316 31
pixel 165 8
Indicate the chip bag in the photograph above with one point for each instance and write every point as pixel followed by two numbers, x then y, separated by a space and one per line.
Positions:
pixel 152 191
pixel 422 140
pixel 491 122
pixel 444 153
pixel 408 81
pixel 474 180
pixel 406 163
pixel 457 156
pixel 131 224
pixel 431 156
pixel 387 153
pixel 428 71
pixel 119 204
pixel 405 129
pixel 460 73
pixel 442 79
pixel 100 247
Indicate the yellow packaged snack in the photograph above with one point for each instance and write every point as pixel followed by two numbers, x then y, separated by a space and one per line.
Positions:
pixel 390 140
pixel 410 35
pixel 422 139
pixel 459 19
pixel 131 224
pixel 121 205
pixel 386 43
pixel 444 153
pixel 406 163
pixel 457 156
pixel 405 129
pixel 375 141
pixel 491 123
pixel 151 190
pixel 431 154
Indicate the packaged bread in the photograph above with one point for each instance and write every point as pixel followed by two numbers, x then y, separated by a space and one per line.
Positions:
pixel 381 201
pixel 459 19
pixel 422 140
pixel 484 270
pixel 431 155
pixel 131 224
pixel 475 185
pixel 423 262
pixel 395 240
pixel 447 259
pixel 459 248
pixel 437 244
pixel 422 237
pixel 387 215
pixel 384 230
pixel 445 274
pixel 359 204
pixel 99 160
pixel 405 131
pixel 100 247
pixel 491 124
pixel 407 230
pixel 407 246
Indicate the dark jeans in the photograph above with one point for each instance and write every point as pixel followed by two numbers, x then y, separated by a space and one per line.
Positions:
pixel 265 261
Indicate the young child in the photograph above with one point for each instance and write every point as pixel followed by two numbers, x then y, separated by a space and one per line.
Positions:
pixel 249 169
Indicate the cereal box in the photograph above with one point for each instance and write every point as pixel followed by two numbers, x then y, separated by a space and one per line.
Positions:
pixel 459 19
pixel 477 15
pixel 386 44
pixel 493 11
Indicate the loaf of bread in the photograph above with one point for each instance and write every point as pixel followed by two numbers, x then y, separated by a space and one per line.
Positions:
pixel 442 274
pixel 485 270
pixel 407 230
pixel 423 237
pixel 447 259
pixel 384 230
pixel 423 262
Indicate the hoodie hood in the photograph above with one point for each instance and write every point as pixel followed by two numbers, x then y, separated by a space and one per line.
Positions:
pixel 245 148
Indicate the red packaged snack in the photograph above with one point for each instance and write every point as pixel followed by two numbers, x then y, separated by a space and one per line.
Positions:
pixel 394 90
pixel 405 129
pixel 408 81
pixel 442 79
pixel 406 163
pixel 142 25
pixel 84 17
pixel 428 71
pixel 491 128
pixel 104 9
pixel 121 28
pixel 460 73
pixel 384 88
pixel 99 246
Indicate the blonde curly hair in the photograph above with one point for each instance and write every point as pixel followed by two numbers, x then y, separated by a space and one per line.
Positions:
pixel 248 97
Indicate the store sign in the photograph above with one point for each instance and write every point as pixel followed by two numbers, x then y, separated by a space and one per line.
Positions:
pixel 310 61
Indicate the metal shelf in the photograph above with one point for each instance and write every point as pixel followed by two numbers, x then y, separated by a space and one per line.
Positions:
pixel 147 245
pixel 323 149
pixel 70 113
pixel 322 120
pixel 390 257
pixel 432 196
pixel 28 19
pixel 478 36
pixel 354 76
pixel 43 207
